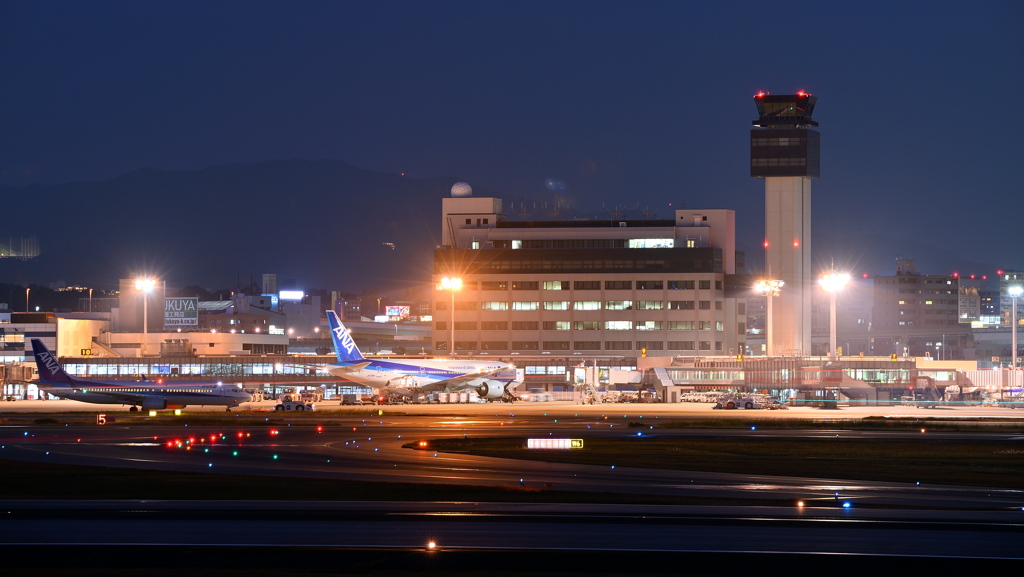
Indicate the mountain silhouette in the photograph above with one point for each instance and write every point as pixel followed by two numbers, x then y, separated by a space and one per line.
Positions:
pixel 327 224
pixel 323 223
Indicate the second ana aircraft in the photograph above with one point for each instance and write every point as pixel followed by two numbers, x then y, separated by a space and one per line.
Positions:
pixel 407 376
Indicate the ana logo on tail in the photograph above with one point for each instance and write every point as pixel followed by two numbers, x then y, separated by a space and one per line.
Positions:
pixel 46 358
pixel 345 339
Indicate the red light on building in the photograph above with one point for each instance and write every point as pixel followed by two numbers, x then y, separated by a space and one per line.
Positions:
pixel 766 243
pixel 796 243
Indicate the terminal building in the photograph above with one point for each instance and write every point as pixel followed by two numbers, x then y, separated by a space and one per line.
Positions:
pixel 622 287
pixel 574 302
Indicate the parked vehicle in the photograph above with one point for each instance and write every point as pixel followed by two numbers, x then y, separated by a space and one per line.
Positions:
pixel 294 406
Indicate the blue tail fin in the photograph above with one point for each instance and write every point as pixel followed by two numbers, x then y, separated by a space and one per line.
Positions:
pixel 344 346
pixel 50 371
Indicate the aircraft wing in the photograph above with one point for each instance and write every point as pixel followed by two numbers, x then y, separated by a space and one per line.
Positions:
pixel 463 383
pixel 348 368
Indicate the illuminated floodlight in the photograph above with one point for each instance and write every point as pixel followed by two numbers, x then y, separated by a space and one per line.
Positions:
pixel 145 284
pixel 451 283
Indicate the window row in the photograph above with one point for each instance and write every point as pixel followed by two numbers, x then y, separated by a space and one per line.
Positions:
pixel 580 305
pixel 583 346
pixel 564 285
pixel 784 141
pixel 778 162
pixel 586 325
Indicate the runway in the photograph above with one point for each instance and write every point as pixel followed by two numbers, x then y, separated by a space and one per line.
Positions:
pixel 883 519
pixel 371 448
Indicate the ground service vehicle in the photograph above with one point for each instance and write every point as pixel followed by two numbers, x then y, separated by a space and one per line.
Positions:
pixel 739 403
pixel 294 406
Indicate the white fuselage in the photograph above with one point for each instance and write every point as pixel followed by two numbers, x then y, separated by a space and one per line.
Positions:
pixel 137 393
pixel 434 374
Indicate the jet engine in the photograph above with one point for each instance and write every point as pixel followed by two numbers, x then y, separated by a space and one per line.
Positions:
pixel 154 403
pixel 491 389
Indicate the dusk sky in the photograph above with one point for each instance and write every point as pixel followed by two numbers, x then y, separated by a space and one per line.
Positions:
pixel 621 103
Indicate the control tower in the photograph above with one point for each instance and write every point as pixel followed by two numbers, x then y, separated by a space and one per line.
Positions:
pixel 785 152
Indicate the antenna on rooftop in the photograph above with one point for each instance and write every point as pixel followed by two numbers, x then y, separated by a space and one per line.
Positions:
pixel 616 213
pixel 523 213
pixel 647 213
pixel 555 211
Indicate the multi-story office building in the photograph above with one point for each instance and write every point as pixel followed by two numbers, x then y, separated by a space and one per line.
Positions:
pixel 919 314
pixel 970 300
pixel 1009 280
pixel 623 287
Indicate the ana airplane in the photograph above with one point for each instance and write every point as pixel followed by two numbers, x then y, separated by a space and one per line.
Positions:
pixel 145 394
pixel 414 376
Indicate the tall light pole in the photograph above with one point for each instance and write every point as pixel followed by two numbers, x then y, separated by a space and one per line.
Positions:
pixel 145 285
pixel 26 298
pixel 1014 291
pixel 833 282
pixel 451 284
pixel 770 289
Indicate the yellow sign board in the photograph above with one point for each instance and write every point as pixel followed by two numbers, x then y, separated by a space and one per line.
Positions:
pixel 554 443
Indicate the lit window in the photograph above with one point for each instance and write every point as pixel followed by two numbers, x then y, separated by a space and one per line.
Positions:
pixel 618 325
pixel 651 243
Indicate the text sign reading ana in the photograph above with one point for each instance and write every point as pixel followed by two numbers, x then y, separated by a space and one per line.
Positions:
pixel 554 443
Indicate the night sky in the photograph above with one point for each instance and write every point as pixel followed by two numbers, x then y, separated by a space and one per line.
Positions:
pixel 588 103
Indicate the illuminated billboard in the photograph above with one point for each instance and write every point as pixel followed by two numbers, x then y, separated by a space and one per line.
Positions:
pixel 181 312
pixel 291 295
pixel 397 311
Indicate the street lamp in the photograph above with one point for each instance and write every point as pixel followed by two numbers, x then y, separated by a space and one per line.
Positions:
pixel 1014 291
pixel 833 282
pixel 145 285
pixel 769 288
pixel 451 284
pixel 26 298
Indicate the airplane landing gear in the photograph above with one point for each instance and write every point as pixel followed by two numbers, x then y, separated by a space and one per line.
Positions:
pixel 133 409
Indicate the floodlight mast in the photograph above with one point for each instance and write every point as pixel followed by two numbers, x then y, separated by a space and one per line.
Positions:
pixel 451 284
